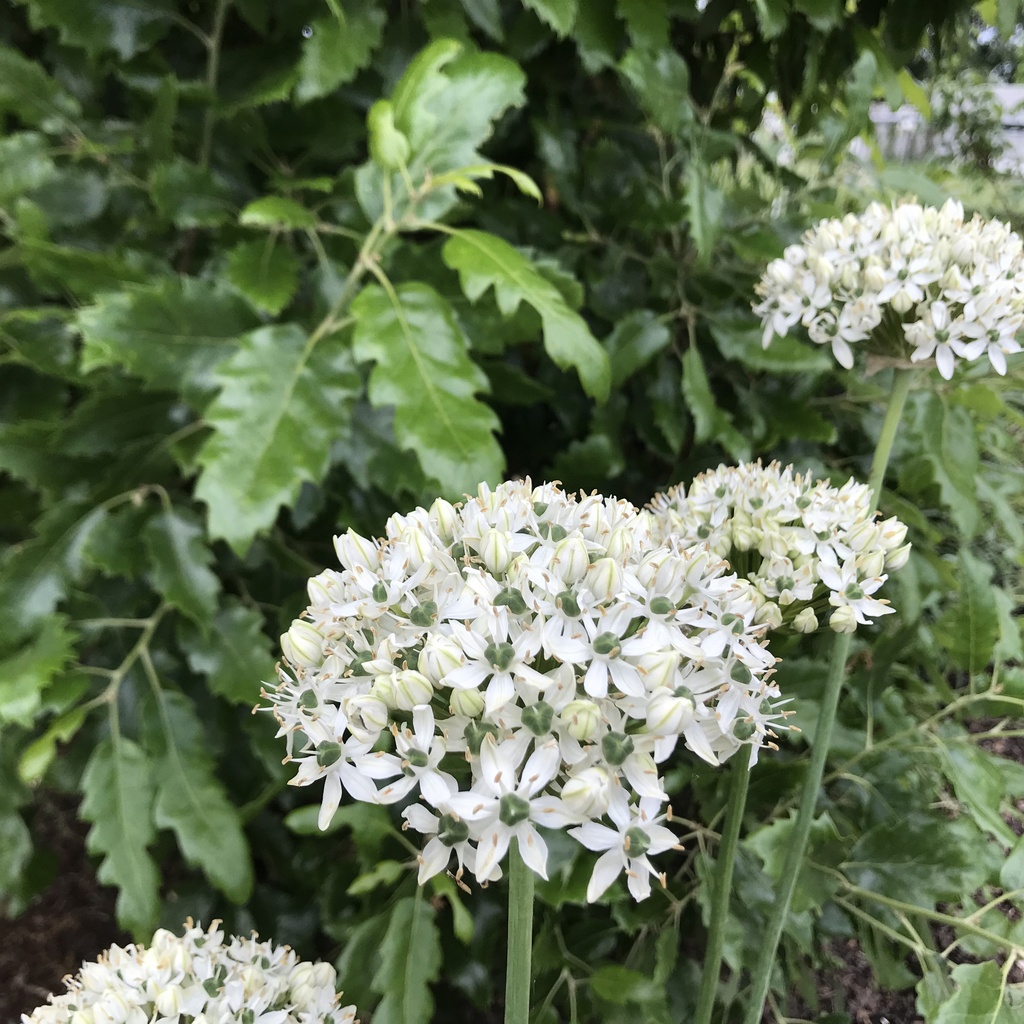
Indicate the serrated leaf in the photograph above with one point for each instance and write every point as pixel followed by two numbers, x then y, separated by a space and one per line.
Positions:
pixel 559 14
pixel 969 629
pixel 28 92
pixel 410 960
pixel 39 754
pixel 484 260
pixel 480 86
pixel 118 800
pixel 707 417
pixel 234 653
pixel 265 271
pixel 68 270
pixel 277 212
pixel 188 195
pixel 661 79
pixel 423 369
pixel 170 334
pixel 706 205
pixel 25 164
pixel 336 50
pixel 280 408
pixel 191 801
pixel 636 339
pixel 180 563
pixel 25 674
pixel 949 444
pixel 124 26
pixel 979 787
pixel 977 998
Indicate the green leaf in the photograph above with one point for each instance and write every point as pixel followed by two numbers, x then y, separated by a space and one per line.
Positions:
pixel 423 369
pixel 824 15
pixel 950 446
pixel 739 338
pixel 265 271
pixel 39 754
pixel 280 408
pixel 559 14
pixel 369 825
pixel 29 93
pixel 484 260
pixel 118 800
pixel 647 22
pixel 1011 874
pixel 710 422
pixel 234 654
pixel 26 674
pixel 180 564
pixel 620 985
pixel 706 205
pixel 480 86
pixel 189 196
pixel 338 49
pixel 661 79
pixel 771 16
pixel 277 212
pixel 979 787
pixel 635 341
pixel 969 629
pixel 25 164
pixel 68 270
pixel 462 920
pixel 192 802
pixel 171 334
pixel 977 998
pixel 410 960
pixel 384 872
pixel 124 26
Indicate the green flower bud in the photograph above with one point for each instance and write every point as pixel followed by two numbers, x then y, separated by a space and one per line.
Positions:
pixel 566 600
pixel 327 753
pixel 616 747
pixel 513 809
pixel 513 600
pixel 607 644
pixel 500 656
pixel 743 729
pixel 538 717
pixel 452 830
pixel 636 843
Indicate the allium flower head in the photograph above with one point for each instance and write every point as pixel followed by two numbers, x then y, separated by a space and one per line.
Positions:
pixel 523 661
pixel 198 976
pixel 805 546
pixel 908 282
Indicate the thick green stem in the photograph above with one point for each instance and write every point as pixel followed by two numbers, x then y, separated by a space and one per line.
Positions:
pixel 723 887
pixel 520 938
pixel 822 735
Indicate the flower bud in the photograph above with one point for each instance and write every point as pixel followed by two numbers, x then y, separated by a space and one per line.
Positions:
pixel 863 535
pixel 772 543
pixel 83 1015
pixel 898 558
pixel 417 544
pixel 604 578
pixel 570 559
pixel 587 794
pixel 620 544
pixel 658 668
pixel 324 975
pixel 581 718
pixel 495 551
pixel 902 302
pixel 440 655
pixel 325 589
pixel 383 689
pixel 805 621
pixel 353 549
pixel 874 278
pixel 445 519
pixel 769 614
pixel 303 644
pixel 871 564
pixel 744 536
pixel 468 703
pixel 412 688
pixel 668 714
pixel 892 533
pixel 367 716
pixel 843 620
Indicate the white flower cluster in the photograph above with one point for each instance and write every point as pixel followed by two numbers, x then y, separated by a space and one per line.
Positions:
pixel 803 544
pixel 198 978
pixel 527 658
pixel 912 281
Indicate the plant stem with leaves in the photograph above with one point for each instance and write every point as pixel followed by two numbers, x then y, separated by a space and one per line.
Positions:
pixel 822 733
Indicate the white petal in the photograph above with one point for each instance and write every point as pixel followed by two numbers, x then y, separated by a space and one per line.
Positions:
pixel 639 879
pixel 420 819
pixel 606 870
pixel 595 837
pixel 500 690
pixel 433 860
pixel 331 799
pixel 533 849
pixel 490 851
pixel 434 788
pixel 693 736
pixel 423 726
pixel 944 361
pixel 540 769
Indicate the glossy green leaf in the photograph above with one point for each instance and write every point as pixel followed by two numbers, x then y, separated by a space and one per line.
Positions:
pixel 25 164
pixel 410 959
pixel 191 801
pixel 951 448
pixel 233 654
pixel 969 628
pixel 662 82
pixel 369 826
pixel 740 339
pixel 619 984
pixel 337 49
pixel 280 407
pixel 39 754
pixel 265 271
pixel 484 261
pixel 634 342
pixel 706 206
pixel 384 872
pixel 123 26
pixel 118 799
pixel 65 270
pixel 277 212
pixel 27 91
pixel 559 14
pixel 180 563
pixel 189 196
pixel 977 997
pixel 422 368
pixel 170 334
pixel 647 22
pixel 26 673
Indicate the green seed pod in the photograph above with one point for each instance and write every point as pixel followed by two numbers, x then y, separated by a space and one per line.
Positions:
pixel 327 754
pixel 637 842
pixel 512 809
pixel 538 717
pixel 616 747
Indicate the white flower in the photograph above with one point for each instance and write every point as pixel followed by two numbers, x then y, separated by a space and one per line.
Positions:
pixel 636 834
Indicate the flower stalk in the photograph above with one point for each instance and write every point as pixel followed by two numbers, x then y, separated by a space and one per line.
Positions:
pixel 520 939
pixel 823 733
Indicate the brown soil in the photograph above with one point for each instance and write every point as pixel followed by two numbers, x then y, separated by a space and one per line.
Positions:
pixel 71 921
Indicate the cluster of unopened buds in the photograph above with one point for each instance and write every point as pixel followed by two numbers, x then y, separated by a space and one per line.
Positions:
pixel 808 548
pixel 527 658
pixel 198 977
pixel 911 281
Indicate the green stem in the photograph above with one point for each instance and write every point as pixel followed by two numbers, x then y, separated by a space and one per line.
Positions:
pixel 212 72
pixel 723 887
pixel 520 938
pixel 822 735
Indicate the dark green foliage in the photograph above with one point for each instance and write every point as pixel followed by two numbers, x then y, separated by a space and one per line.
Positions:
pixel 273 270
